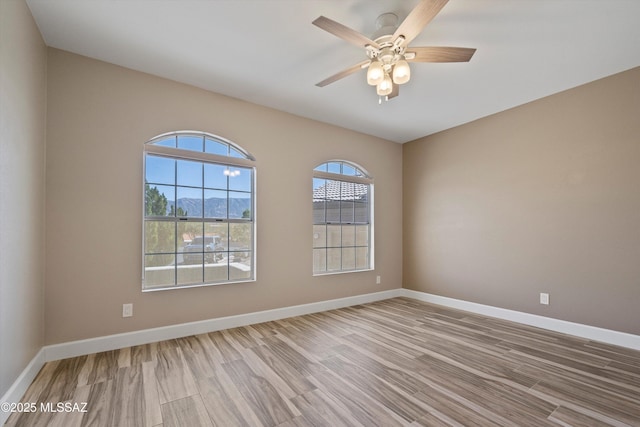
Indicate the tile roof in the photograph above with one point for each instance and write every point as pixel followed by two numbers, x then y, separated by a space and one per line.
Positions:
pixel 339 190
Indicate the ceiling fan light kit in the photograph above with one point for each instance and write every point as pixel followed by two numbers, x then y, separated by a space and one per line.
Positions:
pixel 388 65
pixel 389 54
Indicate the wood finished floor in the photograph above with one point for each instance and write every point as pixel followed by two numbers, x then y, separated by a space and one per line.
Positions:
pixel 390 363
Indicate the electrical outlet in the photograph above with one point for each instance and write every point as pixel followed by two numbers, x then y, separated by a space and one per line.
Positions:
pixel 544 298
pixel 378 280
pixel 127 310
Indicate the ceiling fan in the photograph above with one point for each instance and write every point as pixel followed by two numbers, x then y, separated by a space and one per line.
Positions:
pixel 389 52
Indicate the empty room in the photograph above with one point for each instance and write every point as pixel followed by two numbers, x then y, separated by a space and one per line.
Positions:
pixel 319 213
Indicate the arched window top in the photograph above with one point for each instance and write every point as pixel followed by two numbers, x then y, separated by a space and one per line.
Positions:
pixel 200 142
pixel 342 167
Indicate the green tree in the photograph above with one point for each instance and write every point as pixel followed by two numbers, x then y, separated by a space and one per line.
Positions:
pixel 181 212
pixel 246 213
pixel 155 203
pixel 157 233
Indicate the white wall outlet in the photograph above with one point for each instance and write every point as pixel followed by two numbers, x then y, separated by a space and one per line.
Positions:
pixel 544 298
pixel 127 310
pixel 378 280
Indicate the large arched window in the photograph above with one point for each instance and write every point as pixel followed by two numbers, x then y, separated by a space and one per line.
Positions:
pixel 342 218
pixel 199 208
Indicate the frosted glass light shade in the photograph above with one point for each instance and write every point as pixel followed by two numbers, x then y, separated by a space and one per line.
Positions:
pixel 375 73
pixel 401 72
pixel 385 87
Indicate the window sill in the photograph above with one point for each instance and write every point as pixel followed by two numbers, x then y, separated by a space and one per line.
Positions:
pixel 331 273
pixel 196 285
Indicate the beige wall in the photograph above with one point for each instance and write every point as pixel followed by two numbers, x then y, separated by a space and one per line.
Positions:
pixel 22 152
pixel 99 115
pixel 541 198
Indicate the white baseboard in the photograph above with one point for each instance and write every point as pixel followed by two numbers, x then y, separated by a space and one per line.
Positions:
pixel 20 385
pixel 584 331
pixel 113 342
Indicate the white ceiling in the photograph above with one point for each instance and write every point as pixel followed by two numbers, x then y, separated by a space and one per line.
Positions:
pixel 268 52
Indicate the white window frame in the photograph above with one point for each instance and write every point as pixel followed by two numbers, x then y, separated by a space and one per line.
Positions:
pixel 231 160
pixel 361 177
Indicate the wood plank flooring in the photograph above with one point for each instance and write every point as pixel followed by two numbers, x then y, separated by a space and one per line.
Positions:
pixel 397 362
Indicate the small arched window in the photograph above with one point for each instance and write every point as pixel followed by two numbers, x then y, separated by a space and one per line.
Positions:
pixel 342 218
pixel 199 208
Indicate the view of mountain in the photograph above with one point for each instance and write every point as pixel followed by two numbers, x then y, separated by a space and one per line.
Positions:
pixel 213 208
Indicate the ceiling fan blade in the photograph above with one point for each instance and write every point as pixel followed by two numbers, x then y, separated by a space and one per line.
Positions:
pixel 439 54
pixel 418 18
pixel 345 33
pixel 344 73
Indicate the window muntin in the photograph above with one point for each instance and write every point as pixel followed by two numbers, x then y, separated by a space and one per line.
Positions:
pixel 199 215
pixel 342 218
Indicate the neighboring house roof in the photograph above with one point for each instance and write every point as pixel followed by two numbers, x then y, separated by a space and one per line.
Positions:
pixel 337 190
